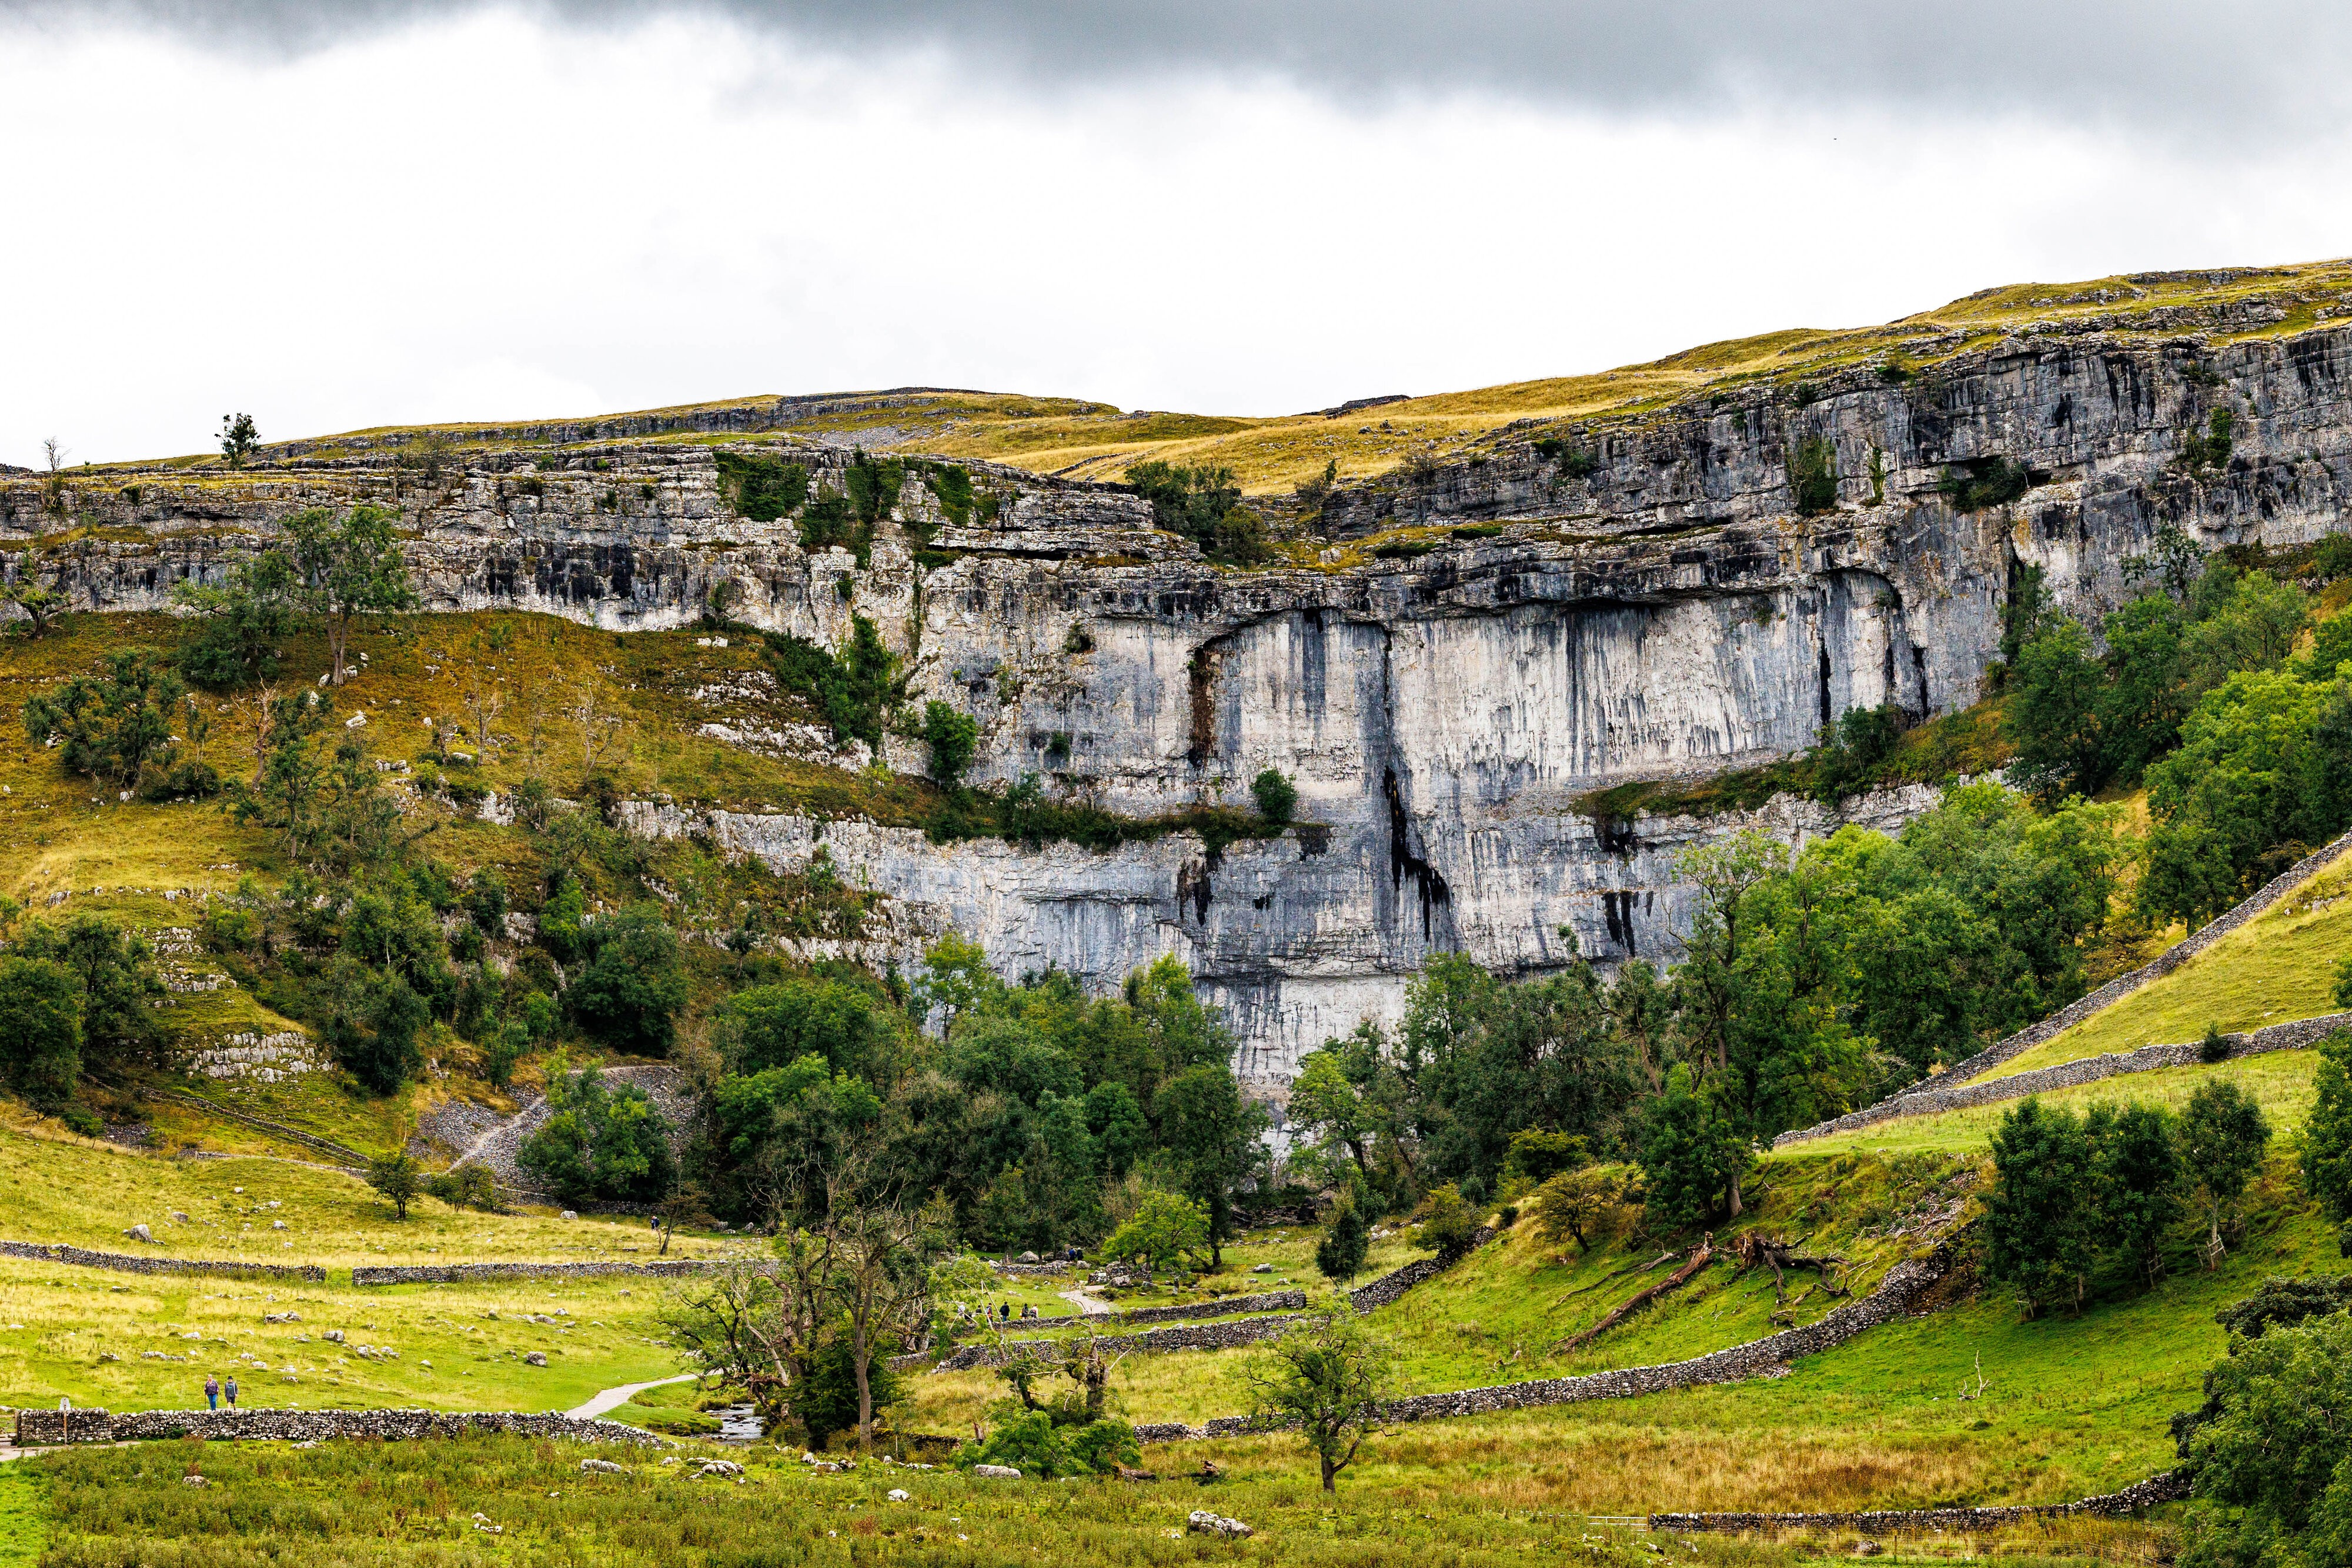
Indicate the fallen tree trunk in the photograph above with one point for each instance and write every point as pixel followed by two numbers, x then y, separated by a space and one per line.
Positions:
pixel 1699 1259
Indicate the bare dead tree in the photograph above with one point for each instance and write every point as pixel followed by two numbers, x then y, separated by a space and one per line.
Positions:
pixel 597 728
pixel 484 701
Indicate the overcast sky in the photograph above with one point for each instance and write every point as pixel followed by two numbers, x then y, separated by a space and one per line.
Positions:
pixel 343 215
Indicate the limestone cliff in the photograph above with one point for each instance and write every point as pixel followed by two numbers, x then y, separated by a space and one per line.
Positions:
pixel 1642 598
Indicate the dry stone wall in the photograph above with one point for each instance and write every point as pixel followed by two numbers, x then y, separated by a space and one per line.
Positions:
pixel 2122 985
pixel 2300 1035
pixel 42 1428
pixel 2169 1487
pixel 463 1274
pixel 1895 1295
pixel 131 1263
pixel 1191 1336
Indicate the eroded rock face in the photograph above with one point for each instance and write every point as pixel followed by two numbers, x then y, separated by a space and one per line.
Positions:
pixel 1665 613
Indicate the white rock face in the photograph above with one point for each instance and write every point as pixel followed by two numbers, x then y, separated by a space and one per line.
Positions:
pixel 1667 613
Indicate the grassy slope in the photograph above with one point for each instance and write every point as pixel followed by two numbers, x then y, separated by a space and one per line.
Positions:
pixel 2275 968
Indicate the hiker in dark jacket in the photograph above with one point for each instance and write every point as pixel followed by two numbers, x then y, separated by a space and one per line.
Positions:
pixel 229 1388
pixel 212 1391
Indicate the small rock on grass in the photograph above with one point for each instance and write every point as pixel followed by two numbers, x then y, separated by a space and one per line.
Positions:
pixel 602 1467
pixel 1201 1521
pixel 997 1472
pixel 899 1495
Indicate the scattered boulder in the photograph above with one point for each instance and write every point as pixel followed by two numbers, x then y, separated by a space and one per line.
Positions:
pixel 1866 1547
pixel 602 1467
pixel 179 1218
pixel 139 1233
pixel 193 1481
pixel 997 1472
pixel 570 1214
pixel 535 1358
pixel 277 1225
pixel 719 1467
pixel 1262 1269
pixel 1028 1256
pixel 333 1336
pixel 1201 1521
pixel 282 1318
pixel 899 1494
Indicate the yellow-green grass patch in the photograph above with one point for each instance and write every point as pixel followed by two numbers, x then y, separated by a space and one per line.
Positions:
pixel 2275 968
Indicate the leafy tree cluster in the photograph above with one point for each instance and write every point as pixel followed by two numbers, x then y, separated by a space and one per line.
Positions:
pixel 1039 1116
pixel 601 1143
pixel 1810 984
pixel 75 998
pixel 124 725
pixel 854 690
pixel 1202 504
pixel 761 490
pixel 2073 1192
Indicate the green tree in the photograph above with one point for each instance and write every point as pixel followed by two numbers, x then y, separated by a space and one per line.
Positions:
pixel 1276 796
pixel 40 1029
pixel 345 567
pixel 1166 1231
pixel 1693 1152
pixel 237 439
pixel 397 1178
pixel 40 602
pixel 372 1022
pixel 951 735
pixel 116 984
pixel 1445 1221
pixel 1327 1378
pixel 634 984
pixel 829 1398
pixel 241 620
pixel 1346 1241
pixel 768 1026
pixel 599 1143
pixel 2223 1139
pixel 2041 1222
pixel 2273 1464
pixel 2053 714
pixel 2326 1151
pixel 2137 1154
pixel 1212 1136
pixel 115 725
pixel 1587 1207
pixel 1188 500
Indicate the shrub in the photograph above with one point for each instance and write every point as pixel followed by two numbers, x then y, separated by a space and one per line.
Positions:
pixel 1812 476
pixel 761 490
pixel 601 1143
pixel 2215 1046
pixel 1347 1239
pixel 1276 795
pixel 1445 1221
pixel 1984 482
pixel 634 985
pixel 952 737
pixel 1165 1231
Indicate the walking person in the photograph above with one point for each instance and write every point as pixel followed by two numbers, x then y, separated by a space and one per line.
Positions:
pixel 230 1389
pixel 212 1391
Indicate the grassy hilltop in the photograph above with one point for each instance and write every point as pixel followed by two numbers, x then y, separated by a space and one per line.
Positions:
pixel 1274 454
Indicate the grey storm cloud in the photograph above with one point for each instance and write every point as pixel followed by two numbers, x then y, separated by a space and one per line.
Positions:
pixel 2172 70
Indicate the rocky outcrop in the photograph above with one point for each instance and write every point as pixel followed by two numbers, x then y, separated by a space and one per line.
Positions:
pixel 1642 598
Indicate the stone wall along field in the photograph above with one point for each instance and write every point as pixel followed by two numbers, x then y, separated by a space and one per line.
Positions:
pixel 2169 1487
pixel 2300 1035
pixel 129 1263
pixel 461 1273
pixel 1229 1335
pixel 2122 985
pixel 1903 1285
pixel 41 1427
